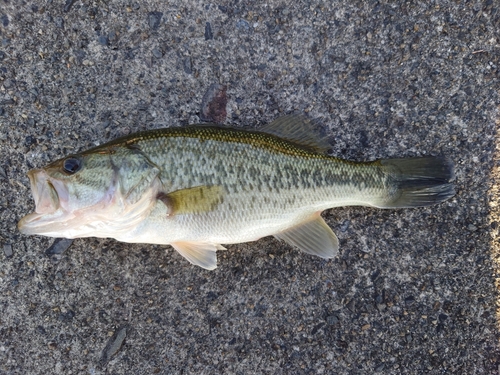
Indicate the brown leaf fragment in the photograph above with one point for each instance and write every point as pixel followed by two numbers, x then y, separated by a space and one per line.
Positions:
pixel 213 104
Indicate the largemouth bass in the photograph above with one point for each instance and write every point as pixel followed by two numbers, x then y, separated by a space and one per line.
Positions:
pixel 201 186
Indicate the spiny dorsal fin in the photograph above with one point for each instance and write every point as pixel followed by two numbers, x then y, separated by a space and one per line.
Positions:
pixel 197 199
pixel 298 129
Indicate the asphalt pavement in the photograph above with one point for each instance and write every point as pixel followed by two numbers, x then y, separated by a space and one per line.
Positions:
pixel 412 290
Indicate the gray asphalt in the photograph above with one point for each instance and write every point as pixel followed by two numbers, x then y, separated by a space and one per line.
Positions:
pixel 412 290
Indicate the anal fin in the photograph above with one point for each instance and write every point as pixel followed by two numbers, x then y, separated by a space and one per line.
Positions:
pixel 199 253
pixel 313 237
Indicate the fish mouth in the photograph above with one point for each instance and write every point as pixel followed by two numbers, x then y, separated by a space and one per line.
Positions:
pixel 50 196
pixel 44 193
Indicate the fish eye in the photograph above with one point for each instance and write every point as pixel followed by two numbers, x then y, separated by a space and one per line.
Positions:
pixel 72 164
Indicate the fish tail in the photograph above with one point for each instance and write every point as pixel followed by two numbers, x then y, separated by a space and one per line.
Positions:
pixel 417 182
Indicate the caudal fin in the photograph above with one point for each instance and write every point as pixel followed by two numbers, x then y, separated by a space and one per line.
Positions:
pixel 417 182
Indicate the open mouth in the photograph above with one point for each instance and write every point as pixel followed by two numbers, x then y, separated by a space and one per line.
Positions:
pixel 44 193
pixel 50 197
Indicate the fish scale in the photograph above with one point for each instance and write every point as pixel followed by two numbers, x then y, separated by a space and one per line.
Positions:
pixel 198 187
pixel 242 165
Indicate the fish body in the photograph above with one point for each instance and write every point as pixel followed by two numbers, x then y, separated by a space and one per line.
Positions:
pixel 198 187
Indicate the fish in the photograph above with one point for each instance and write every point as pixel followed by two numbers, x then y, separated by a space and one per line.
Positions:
pixel 198 187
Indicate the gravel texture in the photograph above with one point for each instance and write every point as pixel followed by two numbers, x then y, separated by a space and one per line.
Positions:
pixel 412 290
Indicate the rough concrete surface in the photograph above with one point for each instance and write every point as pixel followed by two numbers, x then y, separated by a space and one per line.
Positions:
pixel 412 290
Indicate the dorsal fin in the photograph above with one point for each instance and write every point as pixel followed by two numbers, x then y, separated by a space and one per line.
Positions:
pixel 298 129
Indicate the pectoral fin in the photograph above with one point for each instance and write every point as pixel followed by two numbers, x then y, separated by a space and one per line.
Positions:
pixel 199 253
pixel 197 199
pixel 313 237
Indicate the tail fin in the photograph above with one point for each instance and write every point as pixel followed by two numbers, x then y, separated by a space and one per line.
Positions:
pixel 417 182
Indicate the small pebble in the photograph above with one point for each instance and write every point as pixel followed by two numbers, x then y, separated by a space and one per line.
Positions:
pixel 103 40
pixel 59 22
pixel 8 83
pixel 345 226
pixel 5 20
pixel 67 317
pixel 242 25
pixel 114 344
pixel 52 345
pixel 188 65
pixel 472 227
pixel 58 247
pixel 409 300
pixel 208 31
pixel 29 140
pixel 332 319
pixel 442 317
pixel 3 174
pixel 154 20
pixel 380 367
pixel 7 249
pixel 157 53
pixel 68 5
